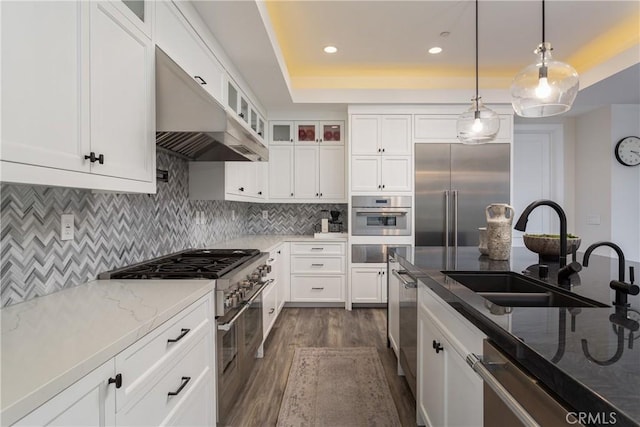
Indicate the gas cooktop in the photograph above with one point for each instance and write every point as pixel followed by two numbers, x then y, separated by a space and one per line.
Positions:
pixel 189 264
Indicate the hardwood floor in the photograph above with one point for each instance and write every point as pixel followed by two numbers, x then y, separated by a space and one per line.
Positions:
pixel 316 327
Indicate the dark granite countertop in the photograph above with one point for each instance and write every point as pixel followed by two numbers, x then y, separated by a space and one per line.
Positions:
pixel 550 342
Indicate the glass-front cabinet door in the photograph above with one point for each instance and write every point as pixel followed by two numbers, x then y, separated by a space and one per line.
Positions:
pixel 244 109
pixel 253 120
pixel 307 132
pixel 139 13
pixel 232 97
pixel 261 127
pixel 332 132
pixel 281 132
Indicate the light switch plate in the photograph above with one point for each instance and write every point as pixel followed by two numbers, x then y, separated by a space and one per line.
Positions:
pixel 66 227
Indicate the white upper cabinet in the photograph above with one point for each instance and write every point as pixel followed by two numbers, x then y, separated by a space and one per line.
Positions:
pixel 122 88
pixel 331 172
pixel 321 132
pixel 388 134
pixel 95 127
pixel 36 37
pixel 281 161
pixel 306 163
pixel 395 135
pixel 177 39
pixel 442 128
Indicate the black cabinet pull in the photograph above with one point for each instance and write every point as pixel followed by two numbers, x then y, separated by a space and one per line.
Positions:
pixel 382 185
pixel 185 381
pixel 316 194
pixel 200 80
pixel 379 186
pixel 260 133
pixel 241 115
pixel 437 346
pixel 279 252
pixel 291 140
pixel 379 150
pixel 183 332
pixel 92 158
pixel 272 310
pixel 117 380
pixel 259 193
pixel 383 150
pixel 241 188
pixel 320 194
pixel 291 194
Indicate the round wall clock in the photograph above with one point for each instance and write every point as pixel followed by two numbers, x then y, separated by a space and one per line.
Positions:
pixel 628 151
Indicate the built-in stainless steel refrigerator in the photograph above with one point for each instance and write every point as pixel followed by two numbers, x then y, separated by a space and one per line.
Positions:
pixel 454 184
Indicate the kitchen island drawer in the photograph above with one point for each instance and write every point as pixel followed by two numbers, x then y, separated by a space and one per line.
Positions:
pixel 151 355
pixel 317 248
pixel 317 265
pixel 166 392
pixel 317 289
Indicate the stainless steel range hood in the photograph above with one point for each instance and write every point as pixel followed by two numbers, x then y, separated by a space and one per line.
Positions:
pixel 190 122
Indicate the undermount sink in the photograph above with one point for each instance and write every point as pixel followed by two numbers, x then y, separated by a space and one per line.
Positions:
pixel 511 289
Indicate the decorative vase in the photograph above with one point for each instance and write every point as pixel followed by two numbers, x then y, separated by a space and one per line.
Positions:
pixel 499 219
pixel 482 243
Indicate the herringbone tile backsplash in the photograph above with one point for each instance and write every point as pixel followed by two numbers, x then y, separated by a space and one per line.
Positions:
pixel 115 230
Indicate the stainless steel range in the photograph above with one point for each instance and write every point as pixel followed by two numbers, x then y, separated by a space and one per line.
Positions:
pixel 239 276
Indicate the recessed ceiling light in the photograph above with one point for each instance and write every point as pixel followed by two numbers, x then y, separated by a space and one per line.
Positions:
pixel 434 50
pixel 330 49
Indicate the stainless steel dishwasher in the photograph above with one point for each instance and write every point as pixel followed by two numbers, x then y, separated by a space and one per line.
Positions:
pixel 514 398
pixel 408 326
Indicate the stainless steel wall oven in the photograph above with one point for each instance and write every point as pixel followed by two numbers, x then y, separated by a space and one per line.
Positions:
pixel 381 216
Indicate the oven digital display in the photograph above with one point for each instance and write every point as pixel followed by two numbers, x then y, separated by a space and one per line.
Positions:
pixel 381 221
pixel 385 201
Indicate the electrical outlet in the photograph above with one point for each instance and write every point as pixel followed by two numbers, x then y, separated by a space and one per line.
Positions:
pixel 265 214
pixel 233 215
pixel 66 227
pixel 203 219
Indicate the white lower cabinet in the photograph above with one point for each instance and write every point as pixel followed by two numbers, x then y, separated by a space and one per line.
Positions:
pixel 368 284
pixel 393 307
pixel 165 378
pixel 89 402
pixel 318 271
pixel 449 391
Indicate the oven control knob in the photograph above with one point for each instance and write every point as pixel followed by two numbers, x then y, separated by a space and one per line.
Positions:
pixel 255 276
pixel 245 284
pixel 266 268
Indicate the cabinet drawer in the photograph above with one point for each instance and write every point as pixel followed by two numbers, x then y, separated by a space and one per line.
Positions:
pixel 311 288
pixel 317 265
pixel 150 355
pixel 269 308
pixel 152 407
pixel 319 248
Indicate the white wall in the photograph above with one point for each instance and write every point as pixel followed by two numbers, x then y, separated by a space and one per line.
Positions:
pixel 625 184
pixel 593 175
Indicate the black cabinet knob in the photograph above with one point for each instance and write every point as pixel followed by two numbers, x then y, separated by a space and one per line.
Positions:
pixel 241 188
pixel 259 193
pixel 117 381
pixel 291 194
pixel 437 346
pixel 93 158
pixel 316 194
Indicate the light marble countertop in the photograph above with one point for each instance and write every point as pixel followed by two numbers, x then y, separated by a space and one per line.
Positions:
pixel 266 242
pixel 50 342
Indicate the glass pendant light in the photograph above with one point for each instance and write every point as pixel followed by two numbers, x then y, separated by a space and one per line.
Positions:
pixel 546 88
pixel 478 124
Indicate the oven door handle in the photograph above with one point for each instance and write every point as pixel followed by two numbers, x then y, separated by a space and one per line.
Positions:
pixel 360 212
pixel 478 366
pixel 227 325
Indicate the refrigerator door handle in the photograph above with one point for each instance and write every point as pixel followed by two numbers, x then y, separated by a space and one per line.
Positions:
pixel 455 218
pixel 447 234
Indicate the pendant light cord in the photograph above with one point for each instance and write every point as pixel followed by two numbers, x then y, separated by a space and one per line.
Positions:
pixel 477 100
pixel 543 38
